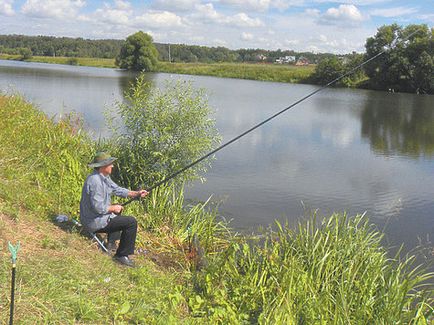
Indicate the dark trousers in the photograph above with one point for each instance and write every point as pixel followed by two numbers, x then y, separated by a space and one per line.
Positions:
pixel 128 228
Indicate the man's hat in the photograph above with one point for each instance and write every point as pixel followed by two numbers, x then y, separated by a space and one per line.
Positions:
pixel 102 159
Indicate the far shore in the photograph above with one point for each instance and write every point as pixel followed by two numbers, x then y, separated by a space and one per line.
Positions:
pixel 251 71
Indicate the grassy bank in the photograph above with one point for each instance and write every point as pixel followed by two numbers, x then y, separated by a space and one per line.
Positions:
pixel 263 72
pixel 191 268
pixel 89 62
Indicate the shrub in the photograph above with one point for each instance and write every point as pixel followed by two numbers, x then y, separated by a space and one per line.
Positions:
pixel 161 132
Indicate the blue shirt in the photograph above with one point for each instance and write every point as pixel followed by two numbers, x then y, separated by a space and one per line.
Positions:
pixel 96 199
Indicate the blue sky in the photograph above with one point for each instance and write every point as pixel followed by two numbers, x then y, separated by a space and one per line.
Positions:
pixel 301 25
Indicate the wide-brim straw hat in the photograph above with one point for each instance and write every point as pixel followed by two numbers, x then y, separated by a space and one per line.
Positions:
pixel 102 159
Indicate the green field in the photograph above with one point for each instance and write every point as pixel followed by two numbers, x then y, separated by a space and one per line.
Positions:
pixel 263 72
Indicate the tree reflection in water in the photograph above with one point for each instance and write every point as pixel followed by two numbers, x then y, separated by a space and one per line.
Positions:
pixel 400 125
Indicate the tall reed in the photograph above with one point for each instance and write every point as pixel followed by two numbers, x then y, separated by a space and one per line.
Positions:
pixel 331 272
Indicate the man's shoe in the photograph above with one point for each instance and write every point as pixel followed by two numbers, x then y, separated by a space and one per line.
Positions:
pixel 124 260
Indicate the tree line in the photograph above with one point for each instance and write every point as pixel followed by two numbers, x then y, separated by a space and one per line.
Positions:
pixel 60 46
pixel 110 48
pixel 407 64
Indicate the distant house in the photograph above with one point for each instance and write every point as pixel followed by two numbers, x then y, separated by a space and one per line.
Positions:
pixel 261 57
pixel 302 61
pixel 286 59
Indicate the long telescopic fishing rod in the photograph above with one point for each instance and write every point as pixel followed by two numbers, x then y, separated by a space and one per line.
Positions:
pixel 168 178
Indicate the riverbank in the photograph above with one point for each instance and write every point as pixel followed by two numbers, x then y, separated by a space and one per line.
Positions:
pixel 192 268
pixel 261 72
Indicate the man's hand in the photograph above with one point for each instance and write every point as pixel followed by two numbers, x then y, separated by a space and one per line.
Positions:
pixel 142 193
pixel 117 208
pixel 137 194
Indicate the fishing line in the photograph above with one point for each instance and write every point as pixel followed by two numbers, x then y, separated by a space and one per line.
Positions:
pixel 168 178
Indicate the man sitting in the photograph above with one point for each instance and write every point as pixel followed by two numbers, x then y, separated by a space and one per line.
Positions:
pixel 97 214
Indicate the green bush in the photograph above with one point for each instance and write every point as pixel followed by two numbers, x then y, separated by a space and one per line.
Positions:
pixel 161 132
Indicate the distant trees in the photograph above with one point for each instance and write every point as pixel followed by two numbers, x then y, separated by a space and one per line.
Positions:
pixel 333 67
pixel 409 65
pixel 328 70
pixel 61 46
pixel 138 53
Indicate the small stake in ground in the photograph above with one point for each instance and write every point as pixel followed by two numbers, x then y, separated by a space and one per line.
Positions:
pixel 14 252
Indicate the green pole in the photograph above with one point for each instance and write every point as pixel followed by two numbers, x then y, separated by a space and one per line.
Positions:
pixel 14 252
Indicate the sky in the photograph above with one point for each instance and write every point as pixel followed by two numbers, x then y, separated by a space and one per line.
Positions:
pixel 302 25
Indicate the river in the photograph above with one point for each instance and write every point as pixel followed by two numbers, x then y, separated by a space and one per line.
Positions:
pixel 341 150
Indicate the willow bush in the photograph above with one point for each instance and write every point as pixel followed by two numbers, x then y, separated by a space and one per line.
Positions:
pixel 161 131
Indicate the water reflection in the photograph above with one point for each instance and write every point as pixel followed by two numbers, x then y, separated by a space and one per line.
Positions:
pixel 399 124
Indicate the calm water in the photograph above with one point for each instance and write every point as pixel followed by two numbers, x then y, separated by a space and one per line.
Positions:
pixel 341 150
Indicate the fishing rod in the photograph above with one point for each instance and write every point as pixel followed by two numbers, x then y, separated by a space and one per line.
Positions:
pixel 168 178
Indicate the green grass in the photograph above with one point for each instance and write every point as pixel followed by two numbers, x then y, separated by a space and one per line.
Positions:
pixel 328 271
pixel 263 72
pixel 69 282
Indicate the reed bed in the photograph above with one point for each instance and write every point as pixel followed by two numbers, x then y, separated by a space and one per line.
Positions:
pixel 329 272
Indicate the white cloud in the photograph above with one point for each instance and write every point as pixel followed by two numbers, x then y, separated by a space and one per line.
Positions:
pixel 6 8
pixel 393 12
pixel 262 5
pixel 176 5
pixel 354 2
pixel 122 5
pixel 246 36
pixel 242 20
pixel 158 19
pixel 117 15
pixel 207 13
pixel 52 8
pixel 346 15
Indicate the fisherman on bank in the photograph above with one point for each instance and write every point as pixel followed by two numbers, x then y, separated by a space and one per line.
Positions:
pixel 97 214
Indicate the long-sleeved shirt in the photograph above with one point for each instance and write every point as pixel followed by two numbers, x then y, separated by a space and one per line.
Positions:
pixel 96 199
